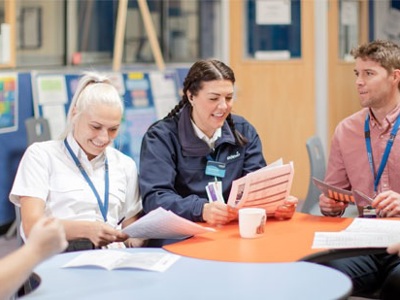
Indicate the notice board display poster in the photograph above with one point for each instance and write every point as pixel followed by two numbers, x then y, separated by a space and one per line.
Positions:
pixel 8 102
pixel 147 96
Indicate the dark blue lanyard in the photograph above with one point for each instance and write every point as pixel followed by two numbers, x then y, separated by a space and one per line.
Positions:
pixel 213 155
pixel 367 134
pixel 103 207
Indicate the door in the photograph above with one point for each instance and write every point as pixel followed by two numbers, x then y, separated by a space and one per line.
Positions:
pixel 277 96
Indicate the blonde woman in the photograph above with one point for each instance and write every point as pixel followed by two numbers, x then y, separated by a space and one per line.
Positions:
pixel 80 178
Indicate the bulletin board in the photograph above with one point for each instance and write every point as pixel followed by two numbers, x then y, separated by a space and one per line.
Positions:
pixel 273 29
pixel 147 95
pixel 8 102
pixel 384 20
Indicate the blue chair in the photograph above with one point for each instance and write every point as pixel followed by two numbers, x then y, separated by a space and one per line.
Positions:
pixel 316 157
pixel 37 130
pixel 317 169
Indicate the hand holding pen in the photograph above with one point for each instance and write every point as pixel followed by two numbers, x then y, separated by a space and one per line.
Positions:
pixel 120 221
pixel 102 234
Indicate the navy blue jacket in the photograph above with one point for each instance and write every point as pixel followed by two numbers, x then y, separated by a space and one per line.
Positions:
pixel 173 162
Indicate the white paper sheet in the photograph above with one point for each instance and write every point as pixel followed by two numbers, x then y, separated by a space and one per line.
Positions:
pixel 163 224
pixel 361 233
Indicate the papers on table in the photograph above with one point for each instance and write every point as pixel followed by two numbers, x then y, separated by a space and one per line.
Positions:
pixel 266 188
pixel 361 233
pixel 163 224
pixel 113 259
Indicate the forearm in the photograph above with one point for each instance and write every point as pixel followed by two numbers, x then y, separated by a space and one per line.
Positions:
pixel 99 233
pixel 77 229
pixel 73 229
pixel 15 268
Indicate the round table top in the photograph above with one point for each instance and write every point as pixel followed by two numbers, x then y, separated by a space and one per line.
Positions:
pixel 283 241
pixel 190 278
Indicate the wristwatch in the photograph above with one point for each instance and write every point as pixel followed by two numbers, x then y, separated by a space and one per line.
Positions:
pixel 333 214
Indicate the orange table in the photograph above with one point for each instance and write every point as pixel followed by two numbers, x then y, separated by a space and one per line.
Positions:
pixel 283 241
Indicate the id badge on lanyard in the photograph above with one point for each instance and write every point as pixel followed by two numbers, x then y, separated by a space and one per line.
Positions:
pixel 215 168
pixel 214 188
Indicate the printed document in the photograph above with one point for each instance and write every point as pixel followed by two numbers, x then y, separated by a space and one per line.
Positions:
pixel 113 259
pixel 333 192
pixel 163 224
pixel 354 197
pixel 361 233
pixel 266 188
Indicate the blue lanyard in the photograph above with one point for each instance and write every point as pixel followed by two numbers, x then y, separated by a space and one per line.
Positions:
pixel 103 207
pixel 367 134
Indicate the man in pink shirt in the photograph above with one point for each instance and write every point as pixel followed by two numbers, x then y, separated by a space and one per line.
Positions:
pixel 365 156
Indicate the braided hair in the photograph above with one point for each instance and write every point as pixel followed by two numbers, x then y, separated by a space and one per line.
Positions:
pixel 202 71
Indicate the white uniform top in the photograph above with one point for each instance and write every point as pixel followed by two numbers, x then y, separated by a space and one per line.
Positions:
pixel 47 171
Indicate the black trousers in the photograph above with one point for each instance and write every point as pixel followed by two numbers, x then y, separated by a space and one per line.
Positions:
pixel 80 245
pixel 371 273
pixel 158 243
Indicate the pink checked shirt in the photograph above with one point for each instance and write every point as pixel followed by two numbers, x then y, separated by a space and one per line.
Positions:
pixel 348 165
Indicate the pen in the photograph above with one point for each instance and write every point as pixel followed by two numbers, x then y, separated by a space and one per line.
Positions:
pixel 120 221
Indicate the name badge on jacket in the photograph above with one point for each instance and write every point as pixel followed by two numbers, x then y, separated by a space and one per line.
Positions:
pixel 215 168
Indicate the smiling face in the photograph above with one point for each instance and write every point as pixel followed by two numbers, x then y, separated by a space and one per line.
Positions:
pixel 376 88
pixel 96 128
pixel 212 104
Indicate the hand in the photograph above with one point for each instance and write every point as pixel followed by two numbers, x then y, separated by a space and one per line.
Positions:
pixel 387 204
pixel 47 237
pixel 330 207
pixel 394 249
pixel 135 243
pixel 102 234
pixel 217 213
pixel 287 209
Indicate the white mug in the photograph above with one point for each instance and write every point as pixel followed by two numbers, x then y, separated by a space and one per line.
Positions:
pixel 252 222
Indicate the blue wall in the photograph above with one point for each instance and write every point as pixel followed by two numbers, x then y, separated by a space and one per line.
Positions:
pixel 12 147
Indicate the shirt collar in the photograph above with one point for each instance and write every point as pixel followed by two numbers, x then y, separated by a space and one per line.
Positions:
pixel 201 135
pixel 392 116
pixel 191 144
pixel 389 120
pixel 81 155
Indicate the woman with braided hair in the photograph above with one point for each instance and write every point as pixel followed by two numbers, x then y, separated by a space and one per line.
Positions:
pixel 180 153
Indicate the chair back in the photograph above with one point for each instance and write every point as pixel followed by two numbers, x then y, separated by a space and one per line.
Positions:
pixel 317 161
pixel 20 241
pixel 37 130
